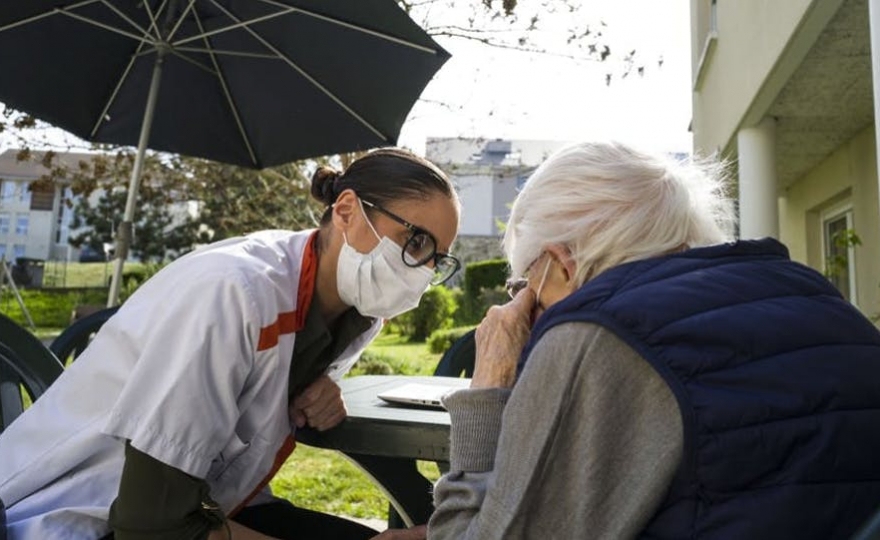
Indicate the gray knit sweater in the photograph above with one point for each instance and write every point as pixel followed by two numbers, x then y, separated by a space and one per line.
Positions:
pixel 584 447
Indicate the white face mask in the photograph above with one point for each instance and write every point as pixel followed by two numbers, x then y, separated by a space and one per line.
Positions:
pixel 379 283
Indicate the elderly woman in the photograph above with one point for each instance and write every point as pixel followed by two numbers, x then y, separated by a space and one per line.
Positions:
pixel 653 378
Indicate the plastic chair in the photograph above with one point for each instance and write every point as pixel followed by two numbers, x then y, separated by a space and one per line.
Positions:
pixel 459 359
pixel 76 337
pixel 25 365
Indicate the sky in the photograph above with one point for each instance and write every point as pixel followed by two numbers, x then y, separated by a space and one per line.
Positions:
pixel 503 94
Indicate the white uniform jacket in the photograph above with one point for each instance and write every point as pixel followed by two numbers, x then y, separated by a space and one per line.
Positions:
pixel 193 369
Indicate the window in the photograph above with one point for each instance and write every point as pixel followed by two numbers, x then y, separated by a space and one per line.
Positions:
pixel 21 225
pixel 839 241
pixel 14 192
pixel 713 16
pixel 17 251
pixel 42 198
pixel 4 223
pixel 706 36
pixel 7 191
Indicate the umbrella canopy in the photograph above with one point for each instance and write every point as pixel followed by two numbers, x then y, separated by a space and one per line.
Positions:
pixel 249 82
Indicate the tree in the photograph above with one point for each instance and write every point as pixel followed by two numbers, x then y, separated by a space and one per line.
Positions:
pixel 560 28
pixel 234 200
pixel 163 229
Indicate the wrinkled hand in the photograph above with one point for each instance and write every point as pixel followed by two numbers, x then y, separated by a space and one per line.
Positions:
pixel 419 532
pixel 320 405
pixel 500 340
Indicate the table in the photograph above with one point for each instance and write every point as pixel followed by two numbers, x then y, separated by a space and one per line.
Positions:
pixel 386 440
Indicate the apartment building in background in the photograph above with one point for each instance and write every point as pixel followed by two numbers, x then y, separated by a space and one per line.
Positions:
pixel 786 91
pixel 34 221
pixel 487 174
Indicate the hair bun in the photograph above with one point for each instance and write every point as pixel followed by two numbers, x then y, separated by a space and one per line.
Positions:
pixel 324 184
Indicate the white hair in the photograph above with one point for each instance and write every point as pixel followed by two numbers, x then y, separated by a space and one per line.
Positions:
pixel 610 204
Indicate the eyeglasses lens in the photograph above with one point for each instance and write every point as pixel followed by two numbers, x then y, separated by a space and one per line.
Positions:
pixel 443 269
pixel 418 249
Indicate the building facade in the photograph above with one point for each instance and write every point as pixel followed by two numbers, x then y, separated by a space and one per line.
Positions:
pixel 785 91
pixel 34 221
pixel 487 174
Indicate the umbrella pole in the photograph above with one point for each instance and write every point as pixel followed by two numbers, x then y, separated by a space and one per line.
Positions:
pixel 124 233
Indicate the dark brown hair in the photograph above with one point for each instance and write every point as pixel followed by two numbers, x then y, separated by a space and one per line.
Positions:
pixel 382 176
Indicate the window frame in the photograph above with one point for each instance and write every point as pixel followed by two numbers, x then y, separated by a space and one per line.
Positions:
pixel 826 218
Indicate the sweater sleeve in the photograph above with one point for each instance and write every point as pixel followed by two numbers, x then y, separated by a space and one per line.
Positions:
pixel 585 447
pixel 158 502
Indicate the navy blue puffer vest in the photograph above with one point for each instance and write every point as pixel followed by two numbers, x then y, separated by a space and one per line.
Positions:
pixel 778 382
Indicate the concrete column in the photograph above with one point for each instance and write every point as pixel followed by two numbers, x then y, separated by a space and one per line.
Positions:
pixel 874 16
pixel 758 204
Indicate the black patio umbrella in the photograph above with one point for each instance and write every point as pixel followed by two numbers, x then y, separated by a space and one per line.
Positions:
pixel 249 82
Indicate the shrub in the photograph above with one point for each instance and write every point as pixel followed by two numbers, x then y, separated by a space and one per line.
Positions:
pixel 441 340
pixel 478 276
pixel 434 313
pixel 371 363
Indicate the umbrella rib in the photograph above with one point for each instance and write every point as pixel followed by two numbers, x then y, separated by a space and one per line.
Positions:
pixel 192 61
pixel 35 18
pixel 154 25
pixel 239 24
pixel 232 106
pixel 126 18
pixel 180 20
pixel 228 53
pixel 302 72
pixel 357 28
pixel 101 25
pixel 118 87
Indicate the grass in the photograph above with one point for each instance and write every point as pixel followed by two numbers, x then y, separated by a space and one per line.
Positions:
pixel 65 274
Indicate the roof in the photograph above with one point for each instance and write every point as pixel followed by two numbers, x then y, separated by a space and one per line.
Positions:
pixel 11 167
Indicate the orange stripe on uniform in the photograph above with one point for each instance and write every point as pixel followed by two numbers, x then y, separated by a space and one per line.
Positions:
pixel 293 321
pixel 285 324
pixel 288 323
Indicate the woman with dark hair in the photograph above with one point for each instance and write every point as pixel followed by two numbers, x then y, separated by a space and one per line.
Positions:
pixel 175 418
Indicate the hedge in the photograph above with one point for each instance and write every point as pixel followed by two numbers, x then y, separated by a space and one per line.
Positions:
pixel 480 276
pixel 441 340
pixel 49 308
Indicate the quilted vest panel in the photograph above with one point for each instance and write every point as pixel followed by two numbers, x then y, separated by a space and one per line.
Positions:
pixel 777 378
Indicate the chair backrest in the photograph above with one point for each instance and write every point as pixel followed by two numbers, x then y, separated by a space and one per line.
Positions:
pixel 870 530
pixel 75 338
pixel 25 363
pixel 459 359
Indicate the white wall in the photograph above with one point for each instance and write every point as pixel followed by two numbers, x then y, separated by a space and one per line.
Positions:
pixel 476 205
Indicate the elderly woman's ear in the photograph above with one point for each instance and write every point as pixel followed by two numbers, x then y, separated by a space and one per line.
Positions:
pixel 561 276
pixel 565 263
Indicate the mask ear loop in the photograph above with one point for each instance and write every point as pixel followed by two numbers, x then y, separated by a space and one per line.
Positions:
pixel 543 279
pixel 364 212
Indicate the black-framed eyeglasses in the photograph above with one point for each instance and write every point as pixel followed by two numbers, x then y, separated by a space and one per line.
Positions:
pixel 421 248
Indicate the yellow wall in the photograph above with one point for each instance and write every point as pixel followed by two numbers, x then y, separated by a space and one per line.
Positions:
pixel 847 175
pixel 752 35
